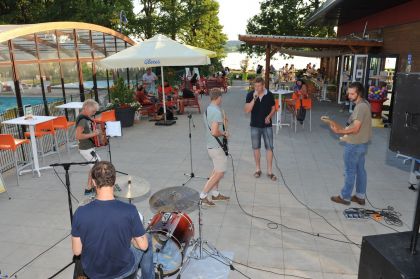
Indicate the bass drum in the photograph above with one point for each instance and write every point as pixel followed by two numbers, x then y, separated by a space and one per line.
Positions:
pixel 171 234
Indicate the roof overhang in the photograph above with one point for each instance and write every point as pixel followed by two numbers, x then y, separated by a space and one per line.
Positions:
pixel 337 12
pixel 8 32
pixel 310 42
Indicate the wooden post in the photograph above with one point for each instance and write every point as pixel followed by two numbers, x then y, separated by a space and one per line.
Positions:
pixel 15 78
pixel 44 98
pixel 107 73
pixel 95 83
pixel 267 65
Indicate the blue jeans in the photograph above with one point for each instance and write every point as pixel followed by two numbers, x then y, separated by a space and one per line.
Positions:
pixel 354 170
pixel 267 135
pixel 144 259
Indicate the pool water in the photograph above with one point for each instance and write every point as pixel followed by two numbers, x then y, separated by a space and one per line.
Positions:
pixel 10 102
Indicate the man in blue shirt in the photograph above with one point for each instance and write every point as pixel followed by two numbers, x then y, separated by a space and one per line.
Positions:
pixel 213 121
pixel 108 234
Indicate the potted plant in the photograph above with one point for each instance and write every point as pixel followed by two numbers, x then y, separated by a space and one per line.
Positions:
pixel 124 103
pixel 376 97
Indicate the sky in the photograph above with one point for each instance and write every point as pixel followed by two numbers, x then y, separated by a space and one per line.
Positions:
pixel 233 15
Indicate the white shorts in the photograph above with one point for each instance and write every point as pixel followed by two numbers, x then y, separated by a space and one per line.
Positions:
pixel 219 159
pixel 87 155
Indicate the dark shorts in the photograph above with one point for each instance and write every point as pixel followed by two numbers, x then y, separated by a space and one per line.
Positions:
pixel 266 133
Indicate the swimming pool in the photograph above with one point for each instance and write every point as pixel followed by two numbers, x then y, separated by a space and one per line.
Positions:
pixel 10 102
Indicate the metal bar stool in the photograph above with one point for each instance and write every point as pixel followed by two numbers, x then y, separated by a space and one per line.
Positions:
pixel 61 123
pixel 42 130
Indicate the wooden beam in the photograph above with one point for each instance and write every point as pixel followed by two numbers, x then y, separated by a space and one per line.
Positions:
pixel 352 49
pixel 267 65
pixel 288 41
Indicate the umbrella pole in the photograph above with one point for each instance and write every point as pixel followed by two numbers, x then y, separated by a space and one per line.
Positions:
pixel 163 93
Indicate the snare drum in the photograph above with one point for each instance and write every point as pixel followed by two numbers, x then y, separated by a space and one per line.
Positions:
pixel 171 234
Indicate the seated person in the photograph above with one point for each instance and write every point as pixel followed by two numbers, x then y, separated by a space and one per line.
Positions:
pixel 300 92
pixel 142 97
pixel 108 234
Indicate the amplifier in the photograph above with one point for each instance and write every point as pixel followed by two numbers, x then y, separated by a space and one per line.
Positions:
pixel 388 256
pixel 405 129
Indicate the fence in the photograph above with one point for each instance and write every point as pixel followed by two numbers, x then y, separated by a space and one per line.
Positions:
pixel 7 158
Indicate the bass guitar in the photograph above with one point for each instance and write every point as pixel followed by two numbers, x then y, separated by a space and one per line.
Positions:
pixel 326 119
pixel 225 139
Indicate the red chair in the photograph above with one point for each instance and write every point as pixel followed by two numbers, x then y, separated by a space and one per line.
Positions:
pixel 42 130
pixel 307 104
pixel 61 123
pixel 8 142
pixel 105 116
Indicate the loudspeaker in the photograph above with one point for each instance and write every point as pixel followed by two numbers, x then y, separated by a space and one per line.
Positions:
pixel 405 129
pixel 388 256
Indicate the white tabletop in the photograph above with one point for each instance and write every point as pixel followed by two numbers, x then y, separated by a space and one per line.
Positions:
pixel 282 91
pixel 71 105
pixel 29 122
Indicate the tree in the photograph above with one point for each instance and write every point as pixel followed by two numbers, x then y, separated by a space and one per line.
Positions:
pixel 147 19
pixel 101 12
pixel 284 18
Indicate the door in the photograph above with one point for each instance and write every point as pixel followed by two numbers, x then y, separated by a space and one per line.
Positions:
pixel 382 68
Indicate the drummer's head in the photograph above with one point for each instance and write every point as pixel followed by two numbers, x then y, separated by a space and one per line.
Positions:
pixel 216 96
pixel 103 175
pixel 90 107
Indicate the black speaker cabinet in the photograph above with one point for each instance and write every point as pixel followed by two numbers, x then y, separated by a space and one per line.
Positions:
pixel 388 256
pixel 405 130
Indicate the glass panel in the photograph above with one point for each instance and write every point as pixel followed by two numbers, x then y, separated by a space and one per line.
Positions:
pixel 51 72
pixel 88 79
pixel 98 45
pixel 4 52
pixel 83 41
pixel 120 44
pixel 71 81
pixel 7 88
pixel 66 43
pixel 31 87
pixel 24 48
pixel 47 45
pixel 110 44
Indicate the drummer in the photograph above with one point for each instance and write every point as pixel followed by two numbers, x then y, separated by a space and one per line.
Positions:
pixel 108 234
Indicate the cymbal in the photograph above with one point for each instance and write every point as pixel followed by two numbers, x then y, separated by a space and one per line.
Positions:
pixel 174 199
pixel 131 187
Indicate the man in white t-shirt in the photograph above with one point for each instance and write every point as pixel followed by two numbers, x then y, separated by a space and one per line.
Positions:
pixel 149 79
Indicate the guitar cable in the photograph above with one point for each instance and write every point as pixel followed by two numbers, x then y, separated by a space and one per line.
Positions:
pixel 275 225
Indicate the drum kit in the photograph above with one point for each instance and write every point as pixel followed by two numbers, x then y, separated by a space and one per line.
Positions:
pixel 171 228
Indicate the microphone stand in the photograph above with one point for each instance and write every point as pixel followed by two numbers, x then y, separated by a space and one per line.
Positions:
pixel 191 175
pixel 66 167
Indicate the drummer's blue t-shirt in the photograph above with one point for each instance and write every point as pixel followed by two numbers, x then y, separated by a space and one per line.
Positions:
pixel 106 229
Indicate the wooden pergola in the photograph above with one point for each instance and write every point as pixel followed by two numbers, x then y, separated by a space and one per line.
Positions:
pixel 274 44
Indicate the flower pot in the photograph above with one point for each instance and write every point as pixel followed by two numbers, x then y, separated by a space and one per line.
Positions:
pixel 376 105
pixel 125 116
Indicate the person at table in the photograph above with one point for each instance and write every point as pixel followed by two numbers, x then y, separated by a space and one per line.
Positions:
pixel 168 90
pixel 149 81
pixel 85 135
pixel 292 73
pixel 260 103
pixel 108 234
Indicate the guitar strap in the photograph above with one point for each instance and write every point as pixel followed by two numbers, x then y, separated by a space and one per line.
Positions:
pixel 217 139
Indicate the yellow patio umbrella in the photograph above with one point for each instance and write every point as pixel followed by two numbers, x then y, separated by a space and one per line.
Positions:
pixel 208 53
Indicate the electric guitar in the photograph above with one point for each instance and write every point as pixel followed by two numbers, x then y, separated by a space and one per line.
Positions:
pixel 326 119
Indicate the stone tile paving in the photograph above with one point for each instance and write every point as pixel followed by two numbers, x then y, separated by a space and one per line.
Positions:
pixel 311 162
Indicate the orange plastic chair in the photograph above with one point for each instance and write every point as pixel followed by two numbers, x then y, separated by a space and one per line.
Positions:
pixel 42 130
pixel 8 142
pixel 307 104
pixel 61 123
pixel 108 115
